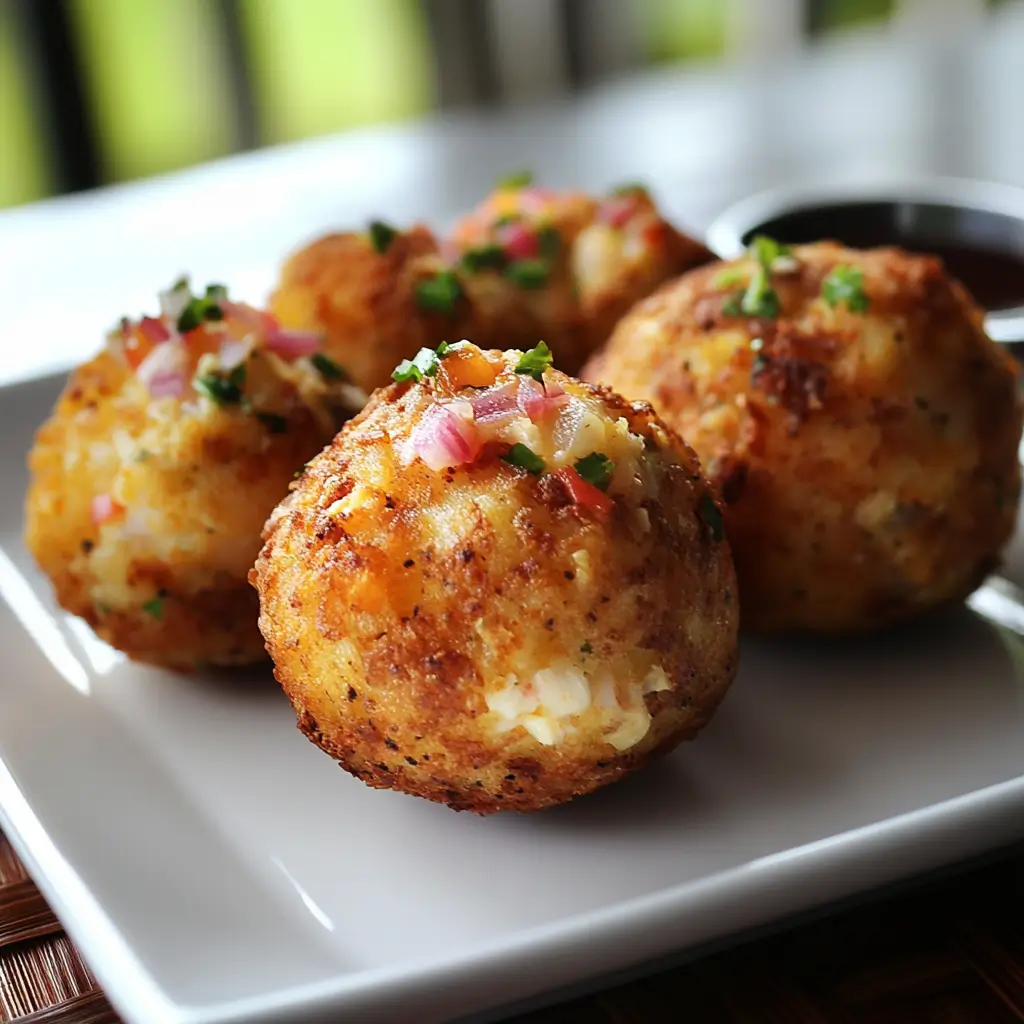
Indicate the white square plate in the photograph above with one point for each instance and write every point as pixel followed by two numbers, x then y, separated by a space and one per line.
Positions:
pixel 214 866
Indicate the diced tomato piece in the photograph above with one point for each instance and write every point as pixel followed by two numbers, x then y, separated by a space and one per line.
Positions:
pixel 584 493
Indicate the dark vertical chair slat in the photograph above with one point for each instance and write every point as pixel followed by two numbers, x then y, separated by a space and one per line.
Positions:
pixel 58 82
pixel 463 45
pixel 236 55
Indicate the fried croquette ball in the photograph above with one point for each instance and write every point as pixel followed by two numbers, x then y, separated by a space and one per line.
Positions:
pixel 153 478
pixel 360 290
pixel 499 588
pixel 857 423
pixel 565 266
pixel 528 263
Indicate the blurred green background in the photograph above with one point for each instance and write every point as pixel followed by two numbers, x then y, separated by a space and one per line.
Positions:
pixel 161 94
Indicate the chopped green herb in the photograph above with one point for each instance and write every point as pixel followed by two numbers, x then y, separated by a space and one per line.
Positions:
pixel 760 299
pixel 440 293
pixel 596 468
pixel 518 179
pixel 549 241
pixel 629 188
pixel 103 608
pixel 300 471
pixel 508 218
pixel 585 648
pixel 423 364
pixel 731 306
pixel 181 285
pixel 274 423
pixel 154 607
pixel 535 361
pixel 381 235
pixel 845 284
pixel 767 250
pixel 143 455
pixel 528 274
pixel 484 257
pixel 200 308
pixel 327 367
pixel 523 457
pixel 711 516
pixel 216 292
pixel 222 388
pixel 730 277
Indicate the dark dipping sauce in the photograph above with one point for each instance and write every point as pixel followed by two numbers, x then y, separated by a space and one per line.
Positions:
pixel 983 250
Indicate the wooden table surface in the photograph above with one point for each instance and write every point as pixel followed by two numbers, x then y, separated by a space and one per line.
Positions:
pixel 951 952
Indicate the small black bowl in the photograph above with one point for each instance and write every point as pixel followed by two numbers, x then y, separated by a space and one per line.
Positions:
pixel 975 227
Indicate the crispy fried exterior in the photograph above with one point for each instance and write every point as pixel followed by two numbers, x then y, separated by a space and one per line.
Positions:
pixel 867 461
pixel 365 301
pixel 399 603
pixel 164 580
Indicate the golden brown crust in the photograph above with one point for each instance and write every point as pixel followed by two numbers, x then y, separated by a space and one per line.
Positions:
pixel 395 599
pixel 365 301
pixel 867 461
pixel 165 579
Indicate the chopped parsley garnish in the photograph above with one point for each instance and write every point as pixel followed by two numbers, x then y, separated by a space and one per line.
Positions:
pixel 549 241
pixel 729 278
pixel 535 361
pixel 222 388
pixel 596 468
pixel 845 284
pixel 103 608
pixel 154 607
pixel 760 299
pixel 767 250
pixel 731 306
pixel 274 423
pixel 201 308
pixel 181 285
pixel 711 516
pixel 518 179
pixel 629 188
pixel 484 257
pixel 440 293
pixel 523 457
pixel 327 367
pixel 381 235
pixel 423 364
pixel 585 648
pixel 529 274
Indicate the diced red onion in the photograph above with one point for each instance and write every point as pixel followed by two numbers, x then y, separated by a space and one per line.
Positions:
pixel 538 403
pixel 617 212
pixel 447 436
pixel 293 344
pixel 253 319
pixel 232 353
pixel 163 371
pixel 497 405
pixel 518 241
pixel 534 200
pixel 153 330
pixel 103 509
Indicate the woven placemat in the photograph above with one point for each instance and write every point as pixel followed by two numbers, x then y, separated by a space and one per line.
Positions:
pixel 951 952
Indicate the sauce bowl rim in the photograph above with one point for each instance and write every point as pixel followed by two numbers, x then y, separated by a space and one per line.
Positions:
pixel 724 237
